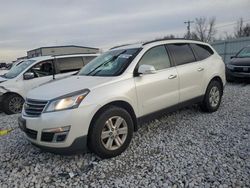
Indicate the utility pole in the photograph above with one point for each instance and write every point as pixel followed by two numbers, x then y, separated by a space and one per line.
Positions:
pixel 188 28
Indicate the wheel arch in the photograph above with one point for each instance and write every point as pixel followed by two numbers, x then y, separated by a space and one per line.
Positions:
pixel 118 103
pixel 217 78
pixel 11 92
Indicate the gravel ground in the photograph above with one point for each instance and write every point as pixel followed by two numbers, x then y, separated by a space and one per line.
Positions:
pixel 187 148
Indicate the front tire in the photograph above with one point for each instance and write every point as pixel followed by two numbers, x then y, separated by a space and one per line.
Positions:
pixel 12 104
pixel 212 98
pixel 111 133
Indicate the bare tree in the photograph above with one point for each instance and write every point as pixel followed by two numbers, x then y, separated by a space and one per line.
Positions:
pixel 204 29
pixel 171 36
pixel 239 29
pixel 246 30
pixel 242 30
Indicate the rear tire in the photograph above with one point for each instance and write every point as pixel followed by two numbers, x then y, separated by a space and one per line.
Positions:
pixel 212 98
pixel 12 104
pixel 111 132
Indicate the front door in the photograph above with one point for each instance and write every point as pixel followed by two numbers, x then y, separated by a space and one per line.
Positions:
pixel 160 90
pixel 43 72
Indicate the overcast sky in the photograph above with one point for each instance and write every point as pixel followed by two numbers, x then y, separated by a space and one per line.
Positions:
pixel 28 24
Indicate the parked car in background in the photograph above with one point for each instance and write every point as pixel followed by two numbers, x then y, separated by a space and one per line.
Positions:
pixel 33 72
pixel 239 66
pixel 99 108
pixel 4 71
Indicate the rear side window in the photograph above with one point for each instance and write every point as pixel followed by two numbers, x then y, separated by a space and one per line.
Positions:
pixel 181 53
pixel 69 64
pixel 157 57
pixel 202 51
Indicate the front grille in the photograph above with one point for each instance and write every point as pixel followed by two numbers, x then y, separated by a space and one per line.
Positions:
pixel 245 69
pixel 31 133
pixel 34 108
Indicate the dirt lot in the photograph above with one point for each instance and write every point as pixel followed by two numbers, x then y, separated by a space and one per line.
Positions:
pixel 186 148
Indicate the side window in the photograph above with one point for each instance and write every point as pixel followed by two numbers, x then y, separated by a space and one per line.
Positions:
pixel 181 52
pixel 69 64
pixel 202 51
pixel 156 56
pixel 44 68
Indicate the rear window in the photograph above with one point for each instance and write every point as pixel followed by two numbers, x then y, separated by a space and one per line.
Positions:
pixel 72 63
pixel 181 53
pixel 202 51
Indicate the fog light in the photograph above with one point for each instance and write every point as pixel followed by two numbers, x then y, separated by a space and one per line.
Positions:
pixel 57 130
pixel 55 134
pixel 61 138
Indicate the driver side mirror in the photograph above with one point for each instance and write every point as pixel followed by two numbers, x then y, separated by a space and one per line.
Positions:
pixel 146 69
pixel 232 57
pixel 28 75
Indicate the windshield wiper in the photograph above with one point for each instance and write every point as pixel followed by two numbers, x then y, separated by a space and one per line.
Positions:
pixel 104 63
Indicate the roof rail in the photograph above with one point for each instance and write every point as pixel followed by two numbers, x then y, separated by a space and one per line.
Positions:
pixel 158 40
pixel 75 54
pixel 151 41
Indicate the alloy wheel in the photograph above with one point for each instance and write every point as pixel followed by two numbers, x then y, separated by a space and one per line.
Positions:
pixel 16 104
pixel 114 133
pixel 214 96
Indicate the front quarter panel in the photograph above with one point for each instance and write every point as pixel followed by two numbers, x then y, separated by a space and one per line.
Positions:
pixel 12 86
pixel 123 90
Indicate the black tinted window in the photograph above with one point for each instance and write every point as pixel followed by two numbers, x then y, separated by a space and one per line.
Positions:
pixel 181 53
pixel 202 51
pixel 157 57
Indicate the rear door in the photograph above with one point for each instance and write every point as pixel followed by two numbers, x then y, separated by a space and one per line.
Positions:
pixel 160 90
pixel 205 60
pixel 190 74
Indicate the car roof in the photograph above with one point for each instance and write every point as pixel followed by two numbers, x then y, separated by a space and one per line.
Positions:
pixel 157 42
pixel 43 58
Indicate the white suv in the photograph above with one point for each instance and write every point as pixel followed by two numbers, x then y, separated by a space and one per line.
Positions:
pixel 100 107
pixel 33 72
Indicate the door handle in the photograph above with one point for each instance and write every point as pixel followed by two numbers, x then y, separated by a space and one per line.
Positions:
pixel 172 76
pixel 200 69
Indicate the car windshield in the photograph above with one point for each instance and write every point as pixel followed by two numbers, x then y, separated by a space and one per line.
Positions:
pixel 245 52
pixel 111 63
pixel 16 70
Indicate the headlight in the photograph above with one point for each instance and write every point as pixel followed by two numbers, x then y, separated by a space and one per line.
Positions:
pixel 70 101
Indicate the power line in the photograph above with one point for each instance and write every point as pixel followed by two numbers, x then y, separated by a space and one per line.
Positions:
pixel 233 23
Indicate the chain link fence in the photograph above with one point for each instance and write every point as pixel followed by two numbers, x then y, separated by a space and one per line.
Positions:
pixel 228 48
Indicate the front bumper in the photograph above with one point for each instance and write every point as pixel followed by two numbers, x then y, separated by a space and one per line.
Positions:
pixel 1 99
pixel 232 74
pixel 76 139
pixel 79 145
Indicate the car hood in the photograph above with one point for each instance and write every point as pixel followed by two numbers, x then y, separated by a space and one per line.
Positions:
pixel 240 61
pixel 68 85
pixel 2 72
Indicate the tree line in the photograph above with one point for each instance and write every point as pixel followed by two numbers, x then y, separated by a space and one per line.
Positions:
pixel 204 29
